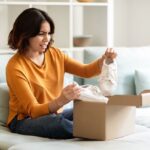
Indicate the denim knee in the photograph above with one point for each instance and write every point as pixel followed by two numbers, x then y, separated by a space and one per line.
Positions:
pixel 50 126
pixel 63 128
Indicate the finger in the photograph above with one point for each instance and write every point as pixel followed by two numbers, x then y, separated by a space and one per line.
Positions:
pixel 75 92
pixel 108 51
pixel 76 95
pixel 111 50
pixel 72 91
pixel 114 55
pixel 70 86
pixel 111 53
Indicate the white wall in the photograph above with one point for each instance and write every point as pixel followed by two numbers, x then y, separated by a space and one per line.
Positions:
pixel 132 22
pixel 140 22
pixel 3 26
pixel 120 22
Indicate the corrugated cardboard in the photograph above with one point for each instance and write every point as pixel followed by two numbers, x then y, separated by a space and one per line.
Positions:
pixel 100 121
pixel 129 100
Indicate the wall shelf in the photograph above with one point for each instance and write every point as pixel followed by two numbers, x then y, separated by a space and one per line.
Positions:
pixel 71 18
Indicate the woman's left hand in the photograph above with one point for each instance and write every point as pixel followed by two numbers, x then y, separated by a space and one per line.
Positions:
pixel 110 54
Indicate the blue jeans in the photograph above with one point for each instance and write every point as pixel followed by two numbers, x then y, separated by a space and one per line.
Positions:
pixel 58 126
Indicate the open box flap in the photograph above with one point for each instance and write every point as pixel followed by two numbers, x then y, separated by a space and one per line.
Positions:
pixel 130 100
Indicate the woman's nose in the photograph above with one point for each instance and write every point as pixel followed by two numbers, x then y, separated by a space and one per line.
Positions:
pixel 46 37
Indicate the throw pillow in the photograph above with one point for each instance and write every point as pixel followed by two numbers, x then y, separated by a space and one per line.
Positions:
pixel 142 80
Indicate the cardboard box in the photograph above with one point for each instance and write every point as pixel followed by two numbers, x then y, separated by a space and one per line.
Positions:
pixel 100 121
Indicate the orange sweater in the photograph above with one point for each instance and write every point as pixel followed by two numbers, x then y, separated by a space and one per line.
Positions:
pixel 32 87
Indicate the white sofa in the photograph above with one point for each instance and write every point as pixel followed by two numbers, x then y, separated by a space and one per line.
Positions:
pixel 129 60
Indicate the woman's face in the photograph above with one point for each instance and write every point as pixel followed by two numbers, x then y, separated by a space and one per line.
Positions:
pixel 39 42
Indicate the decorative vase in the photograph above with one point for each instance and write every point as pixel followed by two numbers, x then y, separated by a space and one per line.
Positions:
pixel 83 40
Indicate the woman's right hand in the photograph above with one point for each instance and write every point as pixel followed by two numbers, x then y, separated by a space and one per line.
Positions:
pixel 69 93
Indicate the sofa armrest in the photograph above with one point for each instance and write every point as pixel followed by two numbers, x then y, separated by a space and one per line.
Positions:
pixel 4 102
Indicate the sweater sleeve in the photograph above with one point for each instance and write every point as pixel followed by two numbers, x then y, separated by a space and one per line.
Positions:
pixel 83 70
pixel 24 98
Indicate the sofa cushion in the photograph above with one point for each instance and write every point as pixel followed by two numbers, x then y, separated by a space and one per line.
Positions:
pixel 139 140
pixel 89 56
pixel 142 80
pixel 4 58
pixel 4 102
pixel 8 139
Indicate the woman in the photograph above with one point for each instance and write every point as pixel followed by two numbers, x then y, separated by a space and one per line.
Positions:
pixel 35 76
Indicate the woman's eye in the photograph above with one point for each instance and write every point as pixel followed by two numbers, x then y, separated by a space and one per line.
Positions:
pixel 41 34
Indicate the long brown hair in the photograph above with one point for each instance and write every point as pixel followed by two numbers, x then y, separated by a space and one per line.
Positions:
pixel 26 26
